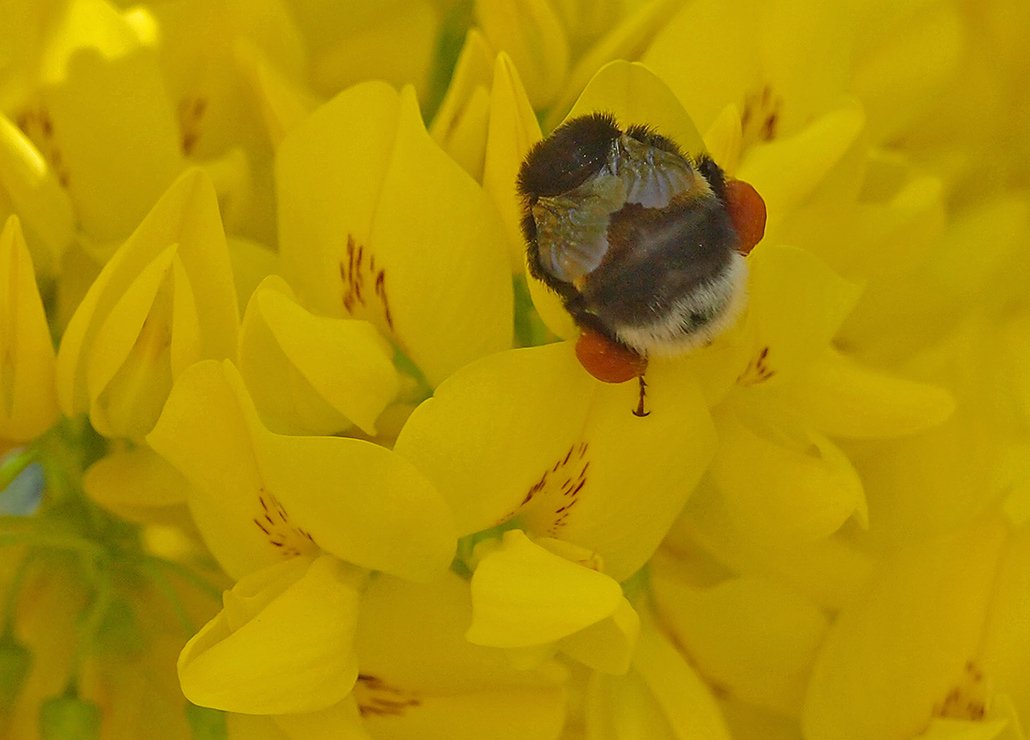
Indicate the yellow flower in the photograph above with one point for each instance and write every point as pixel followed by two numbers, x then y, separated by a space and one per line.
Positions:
pixel 28 396
pixel 377 223
pixel 164 301
pixel 420 678
pixel 285 516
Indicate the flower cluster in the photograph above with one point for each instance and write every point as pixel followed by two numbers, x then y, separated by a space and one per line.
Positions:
pixel 293 445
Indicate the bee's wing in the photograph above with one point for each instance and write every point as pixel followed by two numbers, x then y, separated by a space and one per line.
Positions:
pixel 572 228
pixel 653 176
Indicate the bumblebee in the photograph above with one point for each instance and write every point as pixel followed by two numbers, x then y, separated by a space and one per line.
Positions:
pixel 643 244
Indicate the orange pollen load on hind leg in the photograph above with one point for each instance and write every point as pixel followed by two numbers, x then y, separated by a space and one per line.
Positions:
pixel 607 361
pixel 747 212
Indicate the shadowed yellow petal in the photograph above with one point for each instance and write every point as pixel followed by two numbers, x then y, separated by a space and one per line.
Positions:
pixel 28 397
pixel 111 119
pixel 661 698
pixel 460 124
pixel 282 643
pixel 899 652
pixel 36 196
pixel 796 306
pixel 754 637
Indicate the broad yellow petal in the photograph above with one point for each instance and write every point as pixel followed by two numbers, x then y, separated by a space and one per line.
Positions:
pixel 282 643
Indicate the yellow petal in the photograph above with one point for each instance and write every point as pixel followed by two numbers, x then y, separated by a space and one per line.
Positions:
pixel 36 196
pixel 28 397
pixel 844 399
pixel 203 434
pixel 796 305
pixel 312 374
pixel 392 41
pixel 512 130
pixel 532 35
pixel 110 118
pixel 415 660
pixel 524 595
pixel 754 637
pixel 789 170
pixel 607 645
pixel 634 94
pixel 135 483
pixel 282 644
pixel 478 439
pixel 460 124
pixel 624 40
pixel 783 482
pixel 899 652
pixel 283 496
pixel 661 698
pixel 364 239
pixel 681 49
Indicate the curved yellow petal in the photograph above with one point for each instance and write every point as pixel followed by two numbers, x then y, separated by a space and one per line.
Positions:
pixel 478 438
pixel 660 698
pixel 634 94
pixel 624 40
pixel 524 595
pixel 312 374
pixel 282 643
pixel 787 171
pixel 393 231
pixel 135 483
pixel 111 120
pixel 782 481
pixel 28 396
